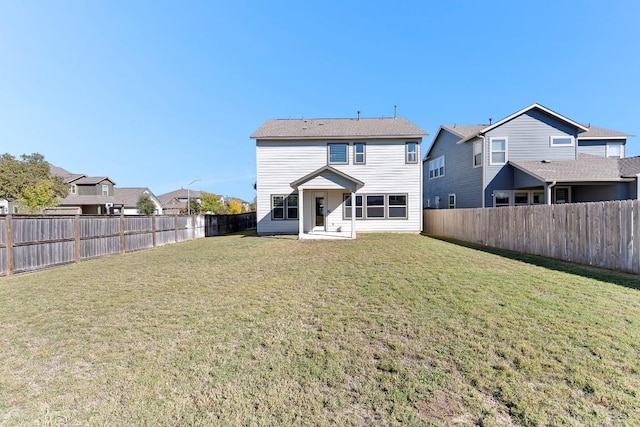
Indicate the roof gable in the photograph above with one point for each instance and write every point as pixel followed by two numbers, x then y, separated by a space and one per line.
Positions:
pixel 325 175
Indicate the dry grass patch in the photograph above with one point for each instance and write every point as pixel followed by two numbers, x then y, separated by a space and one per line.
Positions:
pixel 388 329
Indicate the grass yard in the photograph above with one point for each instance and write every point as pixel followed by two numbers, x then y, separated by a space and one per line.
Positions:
pixel 388 329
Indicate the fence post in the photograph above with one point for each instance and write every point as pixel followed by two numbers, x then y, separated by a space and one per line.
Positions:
pixel 123 248
pixel 153 229
pixel 9 241
pixel 76 232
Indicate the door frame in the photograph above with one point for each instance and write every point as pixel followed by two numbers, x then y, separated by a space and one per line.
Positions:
pixel 323 227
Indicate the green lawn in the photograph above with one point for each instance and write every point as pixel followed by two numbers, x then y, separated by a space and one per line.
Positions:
pixel 387 329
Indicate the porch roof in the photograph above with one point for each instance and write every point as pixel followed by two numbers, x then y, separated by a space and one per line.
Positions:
pixel 327 177
pixel 587 168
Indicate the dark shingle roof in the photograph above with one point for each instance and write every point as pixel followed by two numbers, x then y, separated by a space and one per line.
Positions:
pixel 182 193
pixel 464 131
pixel 338 128
pixel 585 168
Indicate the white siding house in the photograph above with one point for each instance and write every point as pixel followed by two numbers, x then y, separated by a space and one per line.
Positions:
pixel 310 171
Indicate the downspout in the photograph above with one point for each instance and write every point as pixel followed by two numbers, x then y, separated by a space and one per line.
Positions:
pixel 549 187
pixel 484 160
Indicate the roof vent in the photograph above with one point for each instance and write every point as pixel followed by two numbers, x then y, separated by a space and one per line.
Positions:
pixel 490 120
pixel 358 114
pixel 546 161
pixel 395 111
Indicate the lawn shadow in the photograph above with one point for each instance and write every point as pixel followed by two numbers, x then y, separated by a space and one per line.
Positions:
pixel 628 280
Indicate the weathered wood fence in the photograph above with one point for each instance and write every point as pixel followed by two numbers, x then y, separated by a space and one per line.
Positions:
pixel 602 234
pixel 29 243
pixel 216 225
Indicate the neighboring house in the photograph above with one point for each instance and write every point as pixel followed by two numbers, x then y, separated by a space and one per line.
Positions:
pixel 87 195
pixel 125 200
pixel 534 156
pixel 310 173
pixel 175 202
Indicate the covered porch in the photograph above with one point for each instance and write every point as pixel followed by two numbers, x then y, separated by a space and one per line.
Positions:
pixel 323 196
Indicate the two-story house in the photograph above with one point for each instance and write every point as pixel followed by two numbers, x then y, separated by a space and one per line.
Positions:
pixel 87 195
pixel 534 156
pixel 336 176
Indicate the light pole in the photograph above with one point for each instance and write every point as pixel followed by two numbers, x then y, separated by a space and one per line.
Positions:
pixel 189 196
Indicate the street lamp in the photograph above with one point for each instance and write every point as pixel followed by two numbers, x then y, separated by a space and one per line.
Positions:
pixel 189 196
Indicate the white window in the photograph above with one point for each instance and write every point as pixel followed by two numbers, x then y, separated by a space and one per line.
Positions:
pixel 346 213
pixel 397 207
pixel 501 198
pixel 284 207
pixel 498 151
pixel 105 190
pixel 375 206
pixel 359 151
pixel 477 154
pixel 561 141
pixel 411 150
pixel 337 154
pixel 72 189
pixel 562 195
pixel 452 201
pixel 614 149
pixel 538 197
pixel 436 168
pixel 521 197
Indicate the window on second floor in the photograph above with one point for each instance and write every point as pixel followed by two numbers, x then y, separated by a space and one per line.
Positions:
pixel 498 151
pixel 359 153
pixel 337 154
pixel 105 190
pixel 411 150
pixel 561 141
pixel 73 189
pixel 614 150
pixel 436 167
pixel 477 154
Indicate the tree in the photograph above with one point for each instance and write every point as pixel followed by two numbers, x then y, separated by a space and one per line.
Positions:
pixel 28 180
pixel 41 196
pixel 212 203
pixel 235 206
pixel 194 207
pixel 145 205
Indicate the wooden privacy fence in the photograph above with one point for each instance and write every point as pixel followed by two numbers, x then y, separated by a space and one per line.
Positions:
pixel 216 225
pixel 602 234
pixel 29 243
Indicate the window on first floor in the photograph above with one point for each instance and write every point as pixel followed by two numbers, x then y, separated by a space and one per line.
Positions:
pixel 562 195
pixel 501 198
pixel 537 197
pixel 347 206
pixel 284 207
pixel 521 197
pixel 377 206
pixel 436 167
pixel 337 154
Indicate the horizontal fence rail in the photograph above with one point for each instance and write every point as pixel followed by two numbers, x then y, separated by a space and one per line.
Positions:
pixel 29 243
pixel 602 234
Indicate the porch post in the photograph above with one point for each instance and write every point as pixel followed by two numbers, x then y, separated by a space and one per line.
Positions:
pixel 300 213
pixel 353 214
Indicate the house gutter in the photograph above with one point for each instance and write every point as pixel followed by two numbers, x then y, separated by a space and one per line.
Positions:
pixel 638 186
pixel 549 187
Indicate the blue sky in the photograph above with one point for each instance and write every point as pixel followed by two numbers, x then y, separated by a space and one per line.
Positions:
pixel 157 94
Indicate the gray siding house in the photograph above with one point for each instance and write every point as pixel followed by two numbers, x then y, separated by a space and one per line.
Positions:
pixel 534 156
